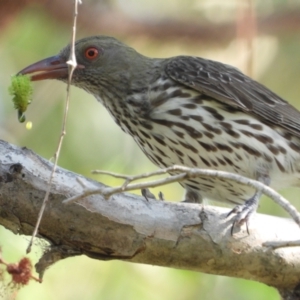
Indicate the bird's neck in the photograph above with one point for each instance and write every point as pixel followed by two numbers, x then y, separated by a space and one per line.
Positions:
pixel 127 90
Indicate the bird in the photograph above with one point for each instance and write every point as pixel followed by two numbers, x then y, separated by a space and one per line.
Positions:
pixel 193 112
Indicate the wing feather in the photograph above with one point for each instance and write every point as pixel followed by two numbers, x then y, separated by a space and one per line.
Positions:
pixel 230 86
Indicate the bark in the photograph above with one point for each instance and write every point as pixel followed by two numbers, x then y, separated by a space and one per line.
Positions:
pixel 132 229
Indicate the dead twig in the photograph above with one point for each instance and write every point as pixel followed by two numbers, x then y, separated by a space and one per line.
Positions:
pixel 72 66
pixel 184 173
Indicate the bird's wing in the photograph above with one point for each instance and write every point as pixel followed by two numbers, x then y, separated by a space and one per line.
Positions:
pixel 228 85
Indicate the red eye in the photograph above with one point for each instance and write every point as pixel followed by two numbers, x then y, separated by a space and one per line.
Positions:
pixel 91 53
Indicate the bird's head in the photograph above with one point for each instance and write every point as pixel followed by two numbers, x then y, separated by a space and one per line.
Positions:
pixel 102 62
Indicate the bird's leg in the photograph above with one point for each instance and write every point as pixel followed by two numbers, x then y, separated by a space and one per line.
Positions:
pixel 192 196
pixel 244 212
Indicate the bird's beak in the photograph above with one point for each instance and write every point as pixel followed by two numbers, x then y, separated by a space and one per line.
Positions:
pixel 50 68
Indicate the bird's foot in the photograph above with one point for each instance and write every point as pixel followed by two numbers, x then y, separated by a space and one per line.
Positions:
pixel 148 195
pixel 244 213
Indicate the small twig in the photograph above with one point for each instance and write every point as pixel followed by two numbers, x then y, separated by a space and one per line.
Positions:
pixel 186 173
pixel 116 175
pixel 72 66
pixel 281 244
pixel 129 178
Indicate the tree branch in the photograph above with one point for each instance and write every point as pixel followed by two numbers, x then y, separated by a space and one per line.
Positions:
pixel 182 173
pixel 129 228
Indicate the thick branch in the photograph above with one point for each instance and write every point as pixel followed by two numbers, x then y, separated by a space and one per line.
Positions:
pixel 129 228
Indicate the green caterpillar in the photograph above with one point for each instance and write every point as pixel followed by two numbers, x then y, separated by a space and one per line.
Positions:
pixel 21 89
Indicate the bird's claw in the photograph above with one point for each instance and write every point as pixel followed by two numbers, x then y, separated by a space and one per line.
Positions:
pixel 148 195
pixel 244 212
pixel 243 215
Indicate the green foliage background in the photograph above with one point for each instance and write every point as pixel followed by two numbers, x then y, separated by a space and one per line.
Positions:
pixel 93 141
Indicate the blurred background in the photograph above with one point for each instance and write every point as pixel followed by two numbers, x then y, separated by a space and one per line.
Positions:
pixel 259 37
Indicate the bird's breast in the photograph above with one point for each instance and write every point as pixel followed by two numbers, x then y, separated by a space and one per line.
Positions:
pixel 174 125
